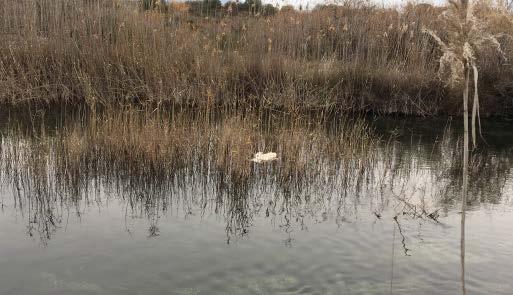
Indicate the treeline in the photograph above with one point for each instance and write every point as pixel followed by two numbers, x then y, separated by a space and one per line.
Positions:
pixel 214 7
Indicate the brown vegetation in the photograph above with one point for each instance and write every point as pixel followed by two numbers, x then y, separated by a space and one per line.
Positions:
pixel 154 164
pixel 333 58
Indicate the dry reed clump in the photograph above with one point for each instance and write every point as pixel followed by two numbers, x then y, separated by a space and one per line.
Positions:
pixel 349 58
pixel 237 141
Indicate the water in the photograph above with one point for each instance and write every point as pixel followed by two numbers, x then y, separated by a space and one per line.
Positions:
pixel 388 225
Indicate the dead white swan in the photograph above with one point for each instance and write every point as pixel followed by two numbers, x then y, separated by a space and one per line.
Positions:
pixel 264 157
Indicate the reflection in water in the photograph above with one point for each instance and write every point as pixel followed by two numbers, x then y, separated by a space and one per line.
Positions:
pixel 464 194
pixel 392 266
pixel 403 238
pixel 462 253
pixel 156 167
pixel 153 169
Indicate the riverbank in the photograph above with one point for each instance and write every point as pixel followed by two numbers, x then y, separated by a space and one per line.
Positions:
pixel 351 58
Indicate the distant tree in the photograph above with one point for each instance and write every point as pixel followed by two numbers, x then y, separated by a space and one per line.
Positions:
pixel 154 4
pixel 251 6
pixel 211 6
pixel 214 7
pixel 287 9
pixel 230 8
pixel 326 7
pixel 147 4
pixel 205 7
pixel 268 10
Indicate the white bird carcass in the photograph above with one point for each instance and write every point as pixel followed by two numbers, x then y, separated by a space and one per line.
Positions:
pixel 264 157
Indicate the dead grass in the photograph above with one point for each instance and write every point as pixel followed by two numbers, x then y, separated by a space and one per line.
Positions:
pixel 353 58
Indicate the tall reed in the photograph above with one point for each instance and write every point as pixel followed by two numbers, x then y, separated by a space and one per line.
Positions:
pixel 467 38
pixel 58 53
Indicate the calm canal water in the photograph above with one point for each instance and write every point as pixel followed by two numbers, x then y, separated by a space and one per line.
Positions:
pixel 391 227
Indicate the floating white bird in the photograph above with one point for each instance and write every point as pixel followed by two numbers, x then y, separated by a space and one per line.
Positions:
pixel 267 157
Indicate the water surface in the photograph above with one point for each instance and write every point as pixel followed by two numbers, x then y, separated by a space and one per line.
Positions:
pixel 320 220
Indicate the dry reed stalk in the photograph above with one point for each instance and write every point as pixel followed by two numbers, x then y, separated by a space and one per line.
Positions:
pixel 348 58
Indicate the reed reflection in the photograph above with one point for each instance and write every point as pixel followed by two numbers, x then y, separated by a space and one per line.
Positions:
pixel 157 166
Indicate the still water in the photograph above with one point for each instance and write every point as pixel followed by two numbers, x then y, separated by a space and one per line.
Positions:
pixel 386 221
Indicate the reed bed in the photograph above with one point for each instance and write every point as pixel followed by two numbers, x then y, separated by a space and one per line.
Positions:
pixel 351 58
